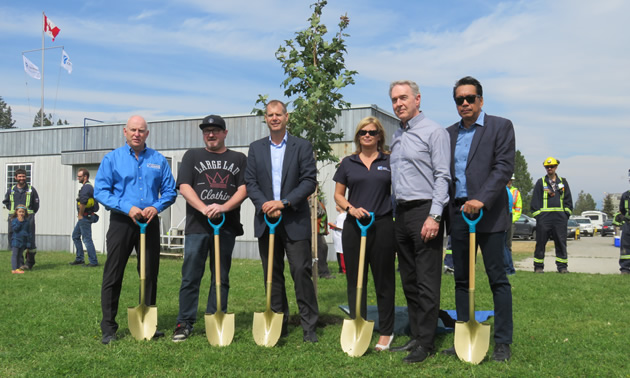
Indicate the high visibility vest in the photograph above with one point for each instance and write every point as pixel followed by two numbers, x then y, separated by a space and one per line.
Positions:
pixel 517 204
pixel 546 209
pixel 28 200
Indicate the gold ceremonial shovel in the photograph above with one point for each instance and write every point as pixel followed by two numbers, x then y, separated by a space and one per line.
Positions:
pixel 219 326
pixel 142 319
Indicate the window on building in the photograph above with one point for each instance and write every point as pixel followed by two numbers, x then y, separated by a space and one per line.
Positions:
pixel 11 168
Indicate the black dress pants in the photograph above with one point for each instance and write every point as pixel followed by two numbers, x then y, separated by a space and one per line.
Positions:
pixel 123 236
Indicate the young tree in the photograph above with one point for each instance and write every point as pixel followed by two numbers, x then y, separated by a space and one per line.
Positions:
pixel 585 202
pixel 608 207
pixel 65 122
pixel 6 118
pixel 47 119
pixel 315 72
pixel 523 181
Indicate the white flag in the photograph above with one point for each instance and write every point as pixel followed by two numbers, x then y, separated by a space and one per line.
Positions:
pixel 65 61
pixel 31 69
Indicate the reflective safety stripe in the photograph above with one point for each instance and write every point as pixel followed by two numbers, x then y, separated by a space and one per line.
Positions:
pixel 550 209
pixel 539 260
pixel 624 257
pixel 448 252
pixel 27 204
pixel 558 259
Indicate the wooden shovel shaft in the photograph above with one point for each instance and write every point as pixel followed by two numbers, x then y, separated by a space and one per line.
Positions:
pixel 272 240
pixel 217 270
pixel 359 293
pixel 143 264
pixel 471 275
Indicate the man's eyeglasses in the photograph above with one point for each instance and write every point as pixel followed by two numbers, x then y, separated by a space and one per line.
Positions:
pixel 211 131
pixel 550 166
pixel 365 132
pixel 469 99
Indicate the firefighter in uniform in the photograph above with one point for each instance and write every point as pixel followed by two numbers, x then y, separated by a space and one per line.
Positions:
pixel 624 209
pixel 551 205
pixel 23 193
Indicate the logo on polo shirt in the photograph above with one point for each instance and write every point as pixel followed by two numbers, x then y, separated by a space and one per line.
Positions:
pixel 382 168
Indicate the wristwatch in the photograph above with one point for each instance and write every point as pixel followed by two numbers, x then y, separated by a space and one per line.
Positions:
pixel 285 203
pixel 436 217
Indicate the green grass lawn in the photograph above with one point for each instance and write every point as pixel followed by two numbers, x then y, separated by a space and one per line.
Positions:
pixel 564 325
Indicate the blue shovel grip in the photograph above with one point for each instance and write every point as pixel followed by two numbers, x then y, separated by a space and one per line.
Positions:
pixel 272 226
pixel 217 226
pixel 363 227
pixel 472 223
pixel 143 227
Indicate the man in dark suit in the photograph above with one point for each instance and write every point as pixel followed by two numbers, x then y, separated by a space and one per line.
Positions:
pixel 482 161
pixel 280 175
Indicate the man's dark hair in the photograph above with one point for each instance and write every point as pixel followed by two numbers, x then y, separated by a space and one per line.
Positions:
pixel 20 171
pixel 468 80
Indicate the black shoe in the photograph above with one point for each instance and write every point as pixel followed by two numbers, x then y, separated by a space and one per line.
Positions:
pixel 285 330
pixel 158 334
pixel 409 346
pixel 625 272
pixel 450 351
pixel 328 277
pixel 563 271
pixel 108 339
pixel 539 270
pixel 76 262
pixel 502 352
pixel 310 337
pixel 181 333
pixel 418 355
pixel 90 265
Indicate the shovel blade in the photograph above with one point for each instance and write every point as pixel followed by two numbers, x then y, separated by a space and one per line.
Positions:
pixel 142 321
pixel 267 328
pixel 356 336
pixel 472 340
pixel 219 328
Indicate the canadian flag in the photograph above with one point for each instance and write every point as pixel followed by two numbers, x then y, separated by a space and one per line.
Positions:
pixel 49 28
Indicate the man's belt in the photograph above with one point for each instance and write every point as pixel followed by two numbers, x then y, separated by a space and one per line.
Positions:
pixel 406 205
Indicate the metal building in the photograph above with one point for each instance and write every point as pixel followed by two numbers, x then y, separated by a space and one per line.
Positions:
pixel 52 156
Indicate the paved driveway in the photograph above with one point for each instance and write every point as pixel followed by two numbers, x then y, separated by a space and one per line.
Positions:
pixel 588 255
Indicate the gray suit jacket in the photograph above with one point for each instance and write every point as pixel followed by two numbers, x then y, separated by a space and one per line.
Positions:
pixel 490 166
pixel 299 180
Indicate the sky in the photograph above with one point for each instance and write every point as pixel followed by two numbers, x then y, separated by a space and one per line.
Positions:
pixel 557 68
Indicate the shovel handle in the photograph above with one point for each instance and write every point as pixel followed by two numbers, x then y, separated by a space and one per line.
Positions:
pixel 272 226
pixel 143 227
pixel 216 227
pixel 472 222
pixel 363 227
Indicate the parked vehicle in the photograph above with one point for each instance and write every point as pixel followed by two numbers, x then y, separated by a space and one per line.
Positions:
pixel 572 228
pixel 597 218
pixel 525 228
pixel 586 227
pixel 607 228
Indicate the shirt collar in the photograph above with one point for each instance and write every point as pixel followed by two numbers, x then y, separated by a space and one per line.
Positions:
pixel 479 122
pixel 412 122
pixel 132 152
pixel 284 140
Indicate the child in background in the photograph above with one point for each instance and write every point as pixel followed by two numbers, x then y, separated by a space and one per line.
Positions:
pixel 337 231
pixel 21 238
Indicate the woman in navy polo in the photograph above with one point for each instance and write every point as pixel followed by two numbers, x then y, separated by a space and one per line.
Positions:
pixel 367 177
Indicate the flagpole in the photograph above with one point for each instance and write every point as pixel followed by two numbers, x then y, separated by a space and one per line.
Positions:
pixel 41 114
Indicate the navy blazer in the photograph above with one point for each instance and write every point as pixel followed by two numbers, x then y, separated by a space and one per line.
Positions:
pixel 299 180
pixel 489 168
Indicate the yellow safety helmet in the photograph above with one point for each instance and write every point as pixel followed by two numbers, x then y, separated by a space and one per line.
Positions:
pixel 551 161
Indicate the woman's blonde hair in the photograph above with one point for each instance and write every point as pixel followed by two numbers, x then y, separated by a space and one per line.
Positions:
pixel 381 132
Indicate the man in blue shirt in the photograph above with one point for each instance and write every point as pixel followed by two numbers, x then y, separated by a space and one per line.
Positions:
pixel 135 183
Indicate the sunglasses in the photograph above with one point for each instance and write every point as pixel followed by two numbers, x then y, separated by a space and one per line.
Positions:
pixel 470 99
pixel 365 132
pixel 551 166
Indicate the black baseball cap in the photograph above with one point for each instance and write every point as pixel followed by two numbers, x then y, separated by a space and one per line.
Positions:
pixel 212 120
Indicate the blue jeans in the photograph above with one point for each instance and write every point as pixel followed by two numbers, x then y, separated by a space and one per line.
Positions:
pixel 507 255
pixel 197 248
pixel 83 229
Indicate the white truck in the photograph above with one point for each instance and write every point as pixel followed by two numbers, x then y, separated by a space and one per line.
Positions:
pixel 597 218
